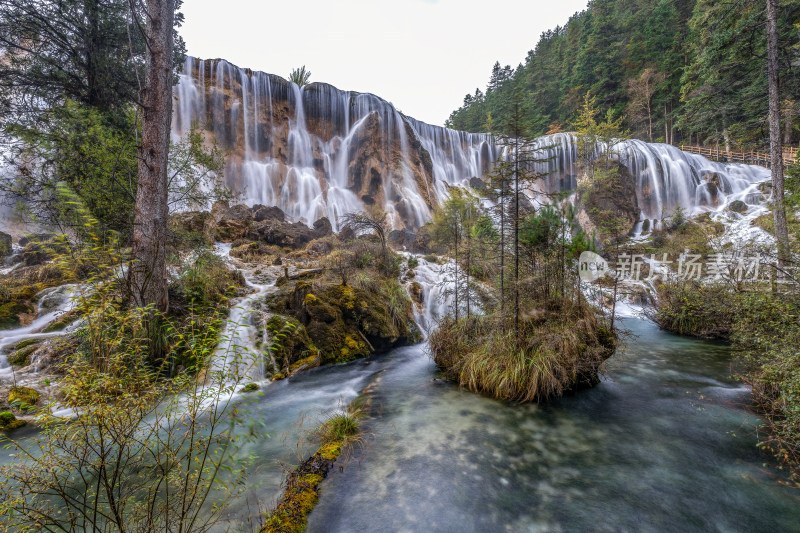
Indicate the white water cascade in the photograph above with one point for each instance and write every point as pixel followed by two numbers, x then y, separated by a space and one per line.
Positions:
pixel 52 303
pixel 318 151
pixel 665 177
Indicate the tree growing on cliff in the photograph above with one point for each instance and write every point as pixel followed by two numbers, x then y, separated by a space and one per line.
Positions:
pixel 368 222
pixel 300 76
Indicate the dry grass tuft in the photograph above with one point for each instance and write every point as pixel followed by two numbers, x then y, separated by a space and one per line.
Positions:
pixel 561 351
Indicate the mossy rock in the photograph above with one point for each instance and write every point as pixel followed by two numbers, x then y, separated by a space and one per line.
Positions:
pixel 328 338
pixel 277 377
pixel 9 422
pixel 321 310
pixel 10 314
pixel 304 364
pixel 738 206
pixel 290 341
pixel 25 397
pixel 250 387
pixel 60 323
pixel 27 292
pixel 22 357
pixel 27 342
pixel 5 244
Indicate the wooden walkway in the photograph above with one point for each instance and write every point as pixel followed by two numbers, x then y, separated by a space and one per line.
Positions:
pixel 751 157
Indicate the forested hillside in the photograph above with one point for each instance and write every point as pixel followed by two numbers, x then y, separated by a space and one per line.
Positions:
pixel 677 71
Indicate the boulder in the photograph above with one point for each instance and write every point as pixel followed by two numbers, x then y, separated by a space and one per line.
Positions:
pixel 477 184
pixel 319 248
pixel 262 213
pixel 738 206
pixel 402 239
pixel 346 234
pixel 23 397
pixel 201 223
pixel 233 223
pixel 322 228
pixel 279 233
pixel 9 422
pixel 412 241
pixel 417 293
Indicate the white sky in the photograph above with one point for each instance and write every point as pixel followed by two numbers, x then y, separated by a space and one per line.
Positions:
pixel 421 55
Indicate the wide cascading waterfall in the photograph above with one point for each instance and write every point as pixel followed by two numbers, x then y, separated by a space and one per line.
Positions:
pixel 665 177
pixel 318 151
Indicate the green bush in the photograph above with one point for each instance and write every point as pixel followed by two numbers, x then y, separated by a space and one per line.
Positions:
pixel 767 335
pixel 700 310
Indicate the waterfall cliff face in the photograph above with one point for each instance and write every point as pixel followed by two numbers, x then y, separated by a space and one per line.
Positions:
pixel 665 177
pixel 317 151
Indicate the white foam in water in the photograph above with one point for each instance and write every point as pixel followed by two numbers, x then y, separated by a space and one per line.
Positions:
pixel 52 303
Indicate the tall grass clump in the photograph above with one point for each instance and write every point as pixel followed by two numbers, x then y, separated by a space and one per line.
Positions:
pixel 558 349
pixel 767 335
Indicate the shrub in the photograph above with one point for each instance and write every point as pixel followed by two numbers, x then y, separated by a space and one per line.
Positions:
pixel 696 309
pixel 766 335
pixel 560 351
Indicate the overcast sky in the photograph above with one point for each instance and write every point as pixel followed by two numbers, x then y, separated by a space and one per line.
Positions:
pixel 421 55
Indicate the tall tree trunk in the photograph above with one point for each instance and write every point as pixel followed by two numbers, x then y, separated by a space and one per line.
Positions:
pixel 516 238
pixel 455 239
pixel 468 251
pixel 776 155
pixel 503 249
pixel 149 269
pixel 649 120
pixel 727 138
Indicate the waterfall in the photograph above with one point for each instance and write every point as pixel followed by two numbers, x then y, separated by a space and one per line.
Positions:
pixel 665 177
pixel 318 151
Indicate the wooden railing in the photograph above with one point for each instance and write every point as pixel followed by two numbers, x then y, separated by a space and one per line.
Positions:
pixel 751 157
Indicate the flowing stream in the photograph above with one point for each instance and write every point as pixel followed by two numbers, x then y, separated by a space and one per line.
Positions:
pixel 664 443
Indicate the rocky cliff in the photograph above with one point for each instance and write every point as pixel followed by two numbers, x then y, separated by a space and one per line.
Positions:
pixel 317 151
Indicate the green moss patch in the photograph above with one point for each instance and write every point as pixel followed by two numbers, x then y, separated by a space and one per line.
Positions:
pixel 344 322
pixel 10 314
pixel 9 422
pixel 302 484
pixel 61 322
pixel 23 397
pixel 22 357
